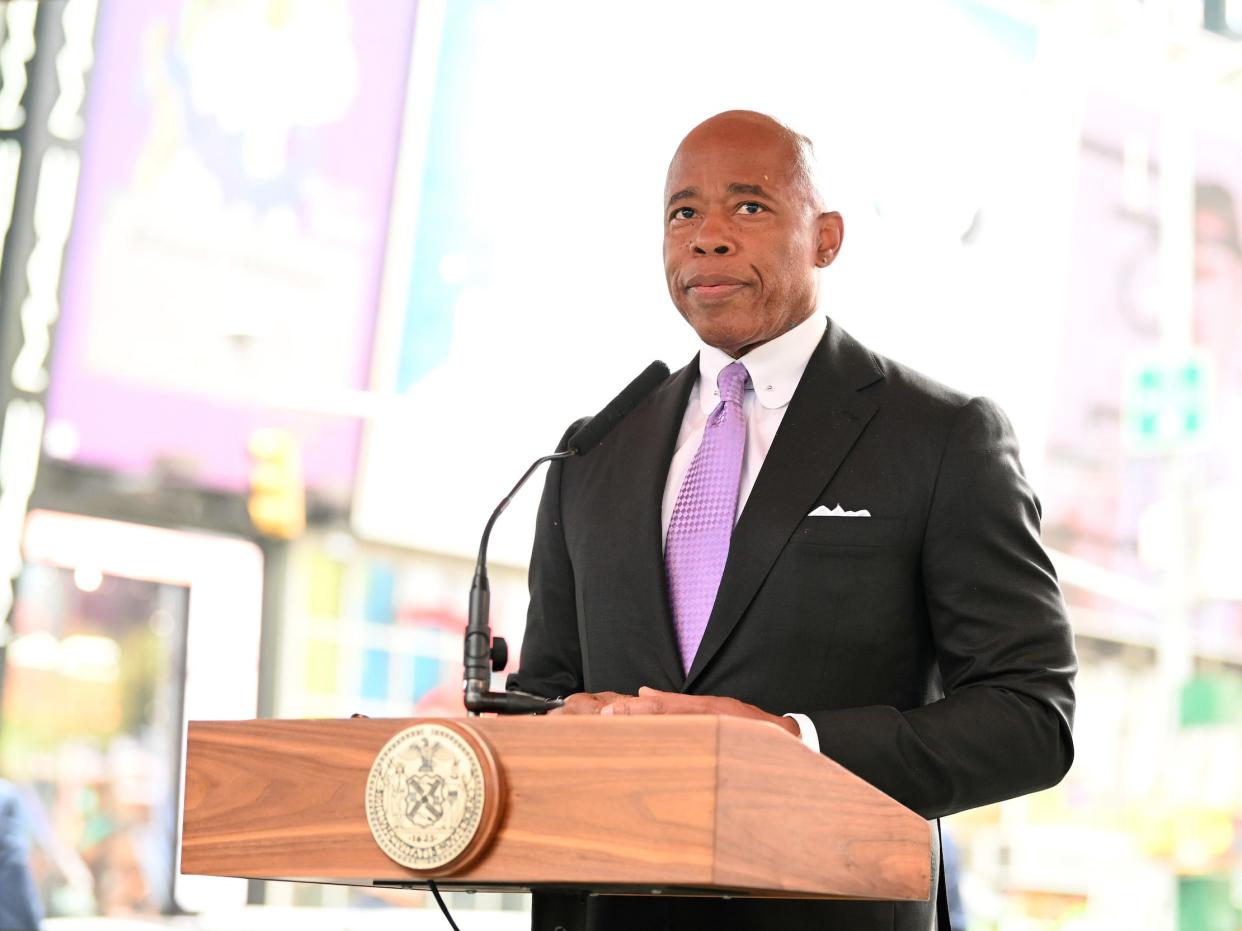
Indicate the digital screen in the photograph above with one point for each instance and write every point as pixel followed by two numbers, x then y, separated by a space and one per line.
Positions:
pixel 92 708
pixel 525 286
pixel 122 633
pixel 224 263
pixel 1115 497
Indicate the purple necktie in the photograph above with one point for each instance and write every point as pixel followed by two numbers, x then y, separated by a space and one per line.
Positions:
pixel 702 522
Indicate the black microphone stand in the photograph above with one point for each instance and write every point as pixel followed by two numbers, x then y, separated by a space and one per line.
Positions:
pixel 483 654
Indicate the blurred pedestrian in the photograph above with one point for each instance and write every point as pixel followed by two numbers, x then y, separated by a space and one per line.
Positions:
pixel 19 902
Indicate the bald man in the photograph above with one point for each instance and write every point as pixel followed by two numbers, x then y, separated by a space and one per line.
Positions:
pixel 878 589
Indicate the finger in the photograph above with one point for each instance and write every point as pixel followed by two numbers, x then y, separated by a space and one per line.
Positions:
pixel 573 704
pixel 630 706
pixel 580 703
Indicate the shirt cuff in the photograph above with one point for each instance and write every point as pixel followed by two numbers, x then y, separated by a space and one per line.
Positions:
pixel 810 736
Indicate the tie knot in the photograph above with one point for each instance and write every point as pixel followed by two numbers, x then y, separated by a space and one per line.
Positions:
pixel 731 382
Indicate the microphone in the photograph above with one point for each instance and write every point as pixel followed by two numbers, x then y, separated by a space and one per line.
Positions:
pixel 599 426
pixel 482 655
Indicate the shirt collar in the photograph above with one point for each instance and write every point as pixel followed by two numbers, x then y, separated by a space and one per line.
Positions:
pixel 775 368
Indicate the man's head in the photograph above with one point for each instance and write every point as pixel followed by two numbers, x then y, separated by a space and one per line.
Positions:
pixel 744 230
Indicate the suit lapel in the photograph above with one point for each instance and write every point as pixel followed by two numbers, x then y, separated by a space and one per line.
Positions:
pixel 656 426
pixel 825 418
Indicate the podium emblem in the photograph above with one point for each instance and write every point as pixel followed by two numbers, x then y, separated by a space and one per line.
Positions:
pixel 427 796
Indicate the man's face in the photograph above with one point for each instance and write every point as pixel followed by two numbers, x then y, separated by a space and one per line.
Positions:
pixel 741 238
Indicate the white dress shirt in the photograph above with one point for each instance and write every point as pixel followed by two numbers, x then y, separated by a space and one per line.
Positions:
pixel 775 368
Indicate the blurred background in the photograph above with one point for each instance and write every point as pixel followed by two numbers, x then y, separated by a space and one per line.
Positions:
pixel 292 290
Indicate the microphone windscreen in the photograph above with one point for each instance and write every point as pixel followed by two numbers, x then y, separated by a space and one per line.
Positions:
pixel 587 438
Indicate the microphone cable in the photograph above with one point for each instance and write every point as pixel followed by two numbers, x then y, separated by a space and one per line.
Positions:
pixel 435 890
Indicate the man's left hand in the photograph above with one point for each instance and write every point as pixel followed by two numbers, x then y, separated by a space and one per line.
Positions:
pixel 653 701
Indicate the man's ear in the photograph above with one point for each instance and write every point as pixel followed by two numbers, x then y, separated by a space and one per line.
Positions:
pixel 830 230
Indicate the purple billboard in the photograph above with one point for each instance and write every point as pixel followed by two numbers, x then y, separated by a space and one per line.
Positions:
pixel 224 265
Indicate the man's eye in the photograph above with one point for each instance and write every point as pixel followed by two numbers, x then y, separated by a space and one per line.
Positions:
pixel 683 213
pixel 750 208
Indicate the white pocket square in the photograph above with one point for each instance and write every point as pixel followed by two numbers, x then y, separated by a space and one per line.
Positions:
pixel 824 511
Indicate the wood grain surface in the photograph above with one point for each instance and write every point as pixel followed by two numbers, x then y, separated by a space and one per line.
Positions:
pixel 674 803
pixel 789 817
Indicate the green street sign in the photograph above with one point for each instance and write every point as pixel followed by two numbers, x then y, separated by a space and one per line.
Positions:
pixel 1165 403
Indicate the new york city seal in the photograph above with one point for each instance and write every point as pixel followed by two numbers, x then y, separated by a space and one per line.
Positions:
pixel 427 796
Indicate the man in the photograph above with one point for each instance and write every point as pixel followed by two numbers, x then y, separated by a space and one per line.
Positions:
pixel 921 641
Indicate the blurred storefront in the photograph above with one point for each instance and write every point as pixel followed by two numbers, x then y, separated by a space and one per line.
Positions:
pixel 121 633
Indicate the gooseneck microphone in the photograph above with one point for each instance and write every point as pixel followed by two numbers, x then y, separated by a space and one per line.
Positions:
pixel 482 654
pixel 616 410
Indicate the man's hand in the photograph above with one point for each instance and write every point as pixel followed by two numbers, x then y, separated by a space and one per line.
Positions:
pixel 653 701
pixel 588 702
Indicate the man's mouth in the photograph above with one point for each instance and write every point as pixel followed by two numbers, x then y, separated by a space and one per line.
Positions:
pixel 714 285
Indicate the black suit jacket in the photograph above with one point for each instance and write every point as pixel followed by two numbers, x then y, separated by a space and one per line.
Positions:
pixel 929 642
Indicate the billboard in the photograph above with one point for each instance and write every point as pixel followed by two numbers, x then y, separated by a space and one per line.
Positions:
pixel 224 263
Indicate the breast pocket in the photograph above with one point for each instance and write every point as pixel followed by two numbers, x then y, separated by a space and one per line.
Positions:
pixel 849 531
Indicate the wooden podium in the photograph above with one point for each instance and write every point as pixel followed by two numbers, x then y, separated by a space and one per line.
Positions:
pixel 684 805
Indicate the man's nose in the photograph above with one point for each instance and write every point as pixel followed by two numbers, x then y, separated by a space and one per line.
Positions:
pixel 713 237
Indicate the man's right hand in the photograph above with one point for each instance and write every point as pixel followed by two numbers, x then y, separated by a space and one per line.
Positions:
pixel 588 702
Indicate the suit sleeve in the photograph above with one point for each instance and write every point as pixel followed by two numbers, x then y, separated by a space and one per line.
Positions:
pixel 551 658
pixel 1002 640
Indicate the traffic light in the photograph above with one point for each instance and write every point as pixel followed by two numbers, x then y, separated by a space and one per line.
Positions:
pixel 277 503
